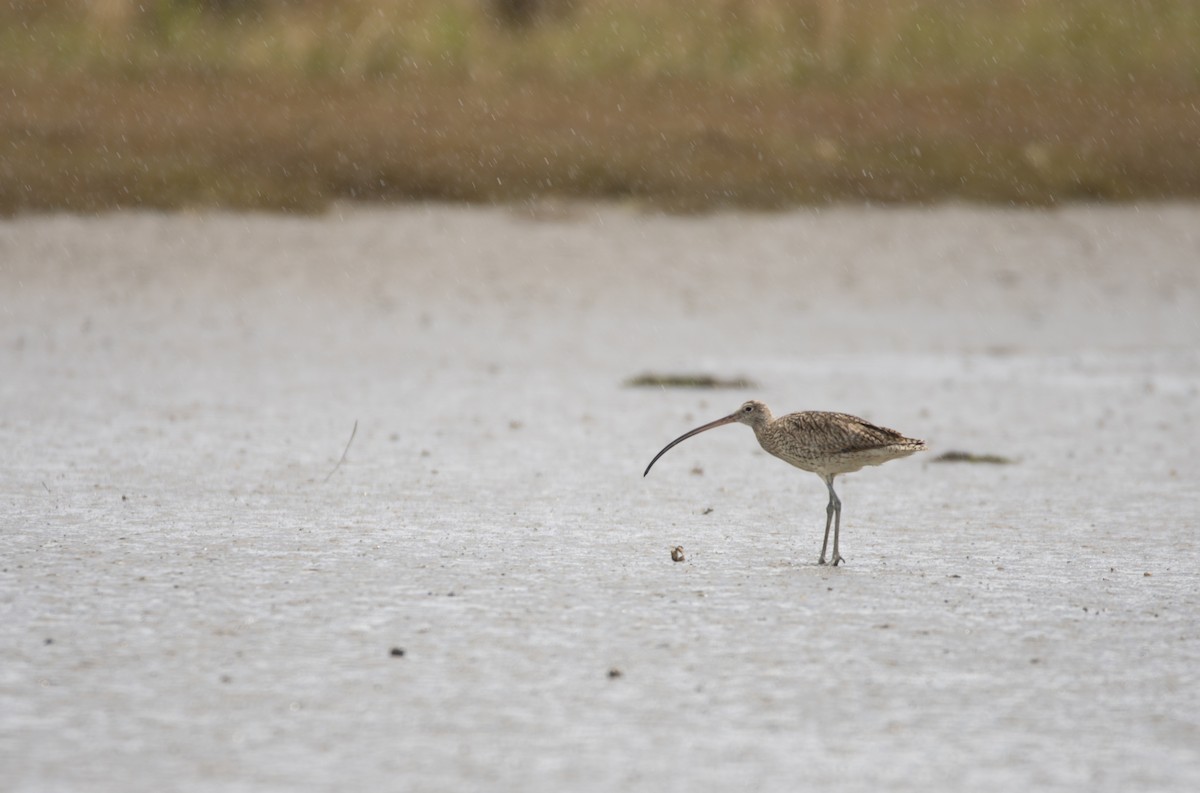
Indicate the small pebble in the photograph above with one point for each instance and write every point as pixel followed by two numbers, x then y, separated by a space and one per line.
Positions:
pixel 397 652
pixel 677 554
pixel 614 673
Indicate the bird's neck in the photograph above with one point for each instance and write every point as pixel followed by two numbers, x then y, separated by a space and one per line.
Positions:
pixel 760 427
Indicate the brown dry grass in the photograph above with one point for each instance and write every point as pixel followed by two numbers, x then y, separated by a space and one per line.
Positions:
pixel 77 143
pixel 725 102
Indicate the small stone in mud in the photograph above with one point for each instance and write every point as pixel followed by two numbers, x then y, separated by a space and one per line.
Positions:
pixel 677 554
pixel 614 673
pixel 397 652
pixel 707 511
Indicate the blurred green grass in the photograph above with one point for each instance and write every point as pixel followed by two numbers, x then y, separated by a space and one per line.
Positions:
pixel 285 104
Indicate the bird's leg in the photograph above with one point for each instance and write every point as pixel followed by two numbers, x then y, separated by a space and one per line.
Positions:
pixel 836 502
pixel 829 510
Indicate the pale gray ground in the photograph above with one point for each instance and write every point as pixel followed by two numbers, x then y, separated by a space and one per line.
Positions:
pixel 185 605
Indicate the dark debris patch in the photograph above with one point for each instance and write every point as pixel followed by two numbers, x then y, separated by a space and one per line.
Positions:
pixel 969 457
pixel 651 380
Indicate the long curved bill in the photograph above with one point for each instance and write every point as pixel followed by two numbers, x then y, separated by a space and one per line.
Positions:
pixel 727 420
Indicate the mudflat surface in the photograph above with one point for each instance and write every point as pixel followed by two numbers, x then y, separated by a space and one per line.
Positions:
pixel 187 604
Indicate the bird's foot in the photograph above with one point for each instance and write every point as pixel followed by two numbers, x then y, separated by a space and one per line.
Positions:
pixel 836 560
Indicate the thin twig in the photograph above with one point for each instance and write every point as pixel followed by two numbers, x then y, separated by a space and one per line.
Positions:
pixel 353 432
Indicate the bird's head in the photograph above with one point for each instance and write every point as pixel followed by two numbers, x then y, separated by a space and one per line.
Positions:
pixel 753 413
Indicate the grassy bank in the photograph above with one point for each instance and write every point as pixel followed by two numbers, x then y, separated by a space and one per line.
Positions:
pixel 763 104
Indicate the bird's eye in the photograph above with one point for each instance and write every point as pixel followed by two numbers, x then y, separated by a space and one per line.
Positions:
pixel 748 408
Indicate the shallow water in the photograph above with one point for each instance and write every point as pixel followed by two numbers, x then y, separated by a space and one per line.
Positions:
pixel 186 603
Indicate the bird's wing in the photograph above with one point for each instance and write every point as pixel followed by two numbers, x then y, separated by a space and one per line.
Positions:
pixel 840 432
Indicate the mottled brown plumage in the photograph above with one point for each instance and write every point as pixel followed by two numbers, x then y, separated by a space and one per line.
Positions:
pixel 825 443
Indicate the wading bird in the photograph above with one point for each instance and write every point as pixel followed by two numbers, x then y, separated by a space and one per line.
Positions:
pixel 827 444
